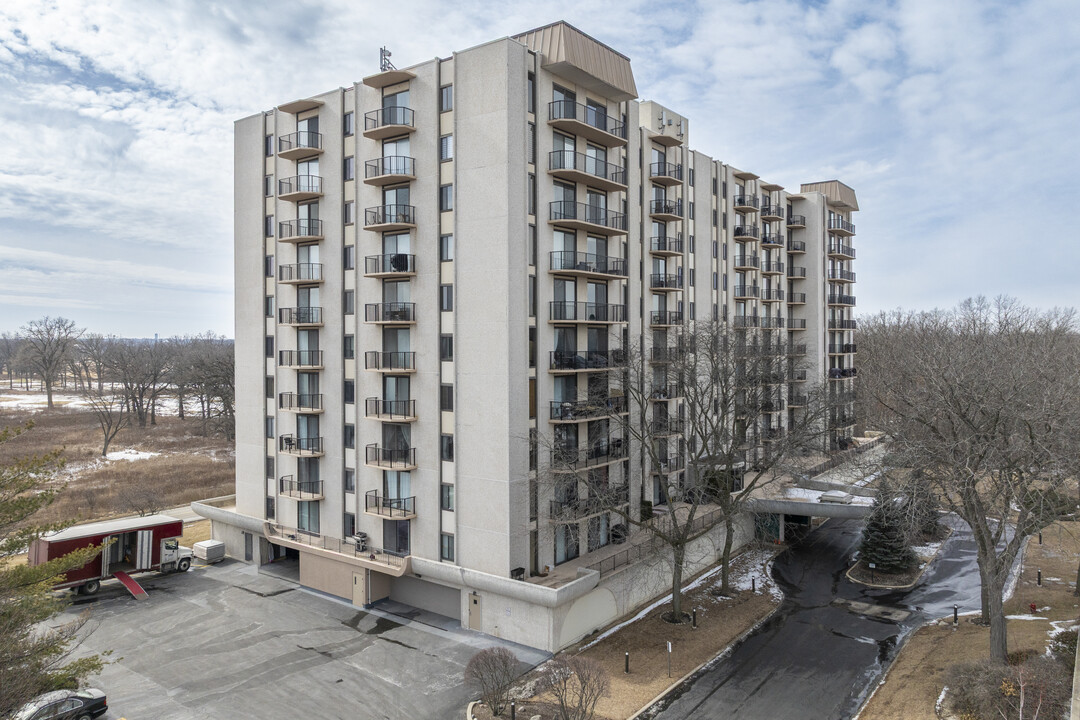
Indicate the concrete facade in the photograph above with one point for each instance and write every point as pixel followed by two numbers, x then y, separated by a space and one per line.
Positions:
pixel 434 266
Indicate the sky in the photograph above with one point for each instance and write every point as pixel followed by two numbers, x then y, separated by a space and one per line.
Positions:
pixel 954 120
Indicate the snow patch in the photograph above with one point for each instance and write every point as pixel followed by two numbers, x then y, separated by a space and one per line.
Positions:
pixel 941 700
pixel 1024 617
pixel 130 455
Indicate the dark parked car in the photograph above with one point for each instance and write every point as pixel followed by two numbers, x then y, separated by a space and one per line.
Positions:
pixel 65 705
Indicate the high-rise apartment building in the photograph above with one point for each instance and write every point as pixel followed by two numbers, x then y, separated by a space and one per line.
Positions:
pixel 439 268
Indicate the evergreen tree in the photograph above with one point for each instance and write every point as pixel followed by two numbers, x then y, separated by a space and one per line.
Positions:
pixel 33 659
pixel 885 538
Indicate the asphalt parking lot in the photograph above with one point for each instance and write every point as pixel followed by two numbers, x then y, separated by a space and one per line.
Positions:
pixel 228 642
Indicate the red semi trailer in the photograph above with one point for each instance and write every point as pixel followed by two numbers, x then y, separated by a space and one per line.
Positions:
pixel 141 544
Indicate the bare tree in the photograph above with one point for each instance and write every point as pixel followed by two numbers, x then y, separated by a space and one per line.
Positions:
pixel 50 343
pixel 112 414
pixel 141 366
pixel 93 353
pixel 577 683
pixel 9 351
pixel 983 400
pixel 492 671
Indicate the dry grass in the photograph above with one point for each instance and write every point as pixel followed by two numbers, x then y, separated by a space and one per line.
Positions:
pixel 918 674
pixel 195 532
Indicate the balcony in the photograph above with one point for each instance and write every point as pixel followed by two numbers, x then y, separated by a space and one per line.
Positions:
pixel 592 361
pixel 352 551
pixel 301 359
pixel 668 465
pixel 390 361
pixel 841 420
pixel 842 373
pixel 746 203
pixel 771 211
pixel 384 218
pixel 745 292
pixel 747 262
pixel 772 404
pixel 660 282
pixel 591 218
pixel 667 427
pixel 599 453
pixel 797 399
pixel 299 144
pixel 590 409
pixel 797 350
pixel 390 313
pixel 586 121
pixel 844 276
pixel 772 267
pixel 390 410
pixel 795 272
pixel 389 169
pixel 772 295
pixel 388 122
pixel 665 173
pixel 300 231
pixel 301 316
pixel 392 508
pixel 842 300
pixel 797 298
pixel 665 245
pixel 665 318
pixel 843 324
pixel 842 348
pixel 839 250
pixel 842 398
pixel 745 233
pixel 796 221
pixel 300 187
pixel 306 490
pixel 300 402
pixel 394 265
pixel 587 312
pixel 390 458
pixel 665 210
pixel 773 323
pixel 796 246
pixel 599 501
pixel 586 264
pixel 581 168
pixel 772 434
pixel 747 321
pixel 663 393
pixel 796 323
pixel 775 240
pixel 300 446
pixel 300 273
pixel 666 354
pixel 797 376
pixel 839 226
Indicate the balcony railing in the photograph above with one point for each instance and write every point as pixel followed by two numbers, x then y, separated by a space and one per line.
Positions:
pixel 390 215
pixel 796 297
pixel 797 323
pixel 573 410
pixel 771 294
pixel 388 116
pixel 565 210
pixel 300 358
pixel 667 426
pixel 796 221
pixel 390 165
pixel 300 316
pixel 389 409
pixel 842 275
pixel 591 360
pixel 670 464
pixel 774 323
pixel 842 348
pixel 797 376
pixel 841 373
pixel 300 489
pixel 395 562
pixel 843 324
pixel 298 141
pixel 841 420
pixel 839 225
pixel 839 248
pixel 591 116
pixel 667 354
pixel 772 267
pixel 746 231
pixel 665 207
pixel 567 260
pixel 597 453
pixel 375 360
pixel 798 349
pixel 746 201
pixel 391 264
pixel 666 392
pixel 300 445
pixel 667 244
pixel 747 261
pixel 746 321
pixel 300 401
pixel 587 164
pixel 665 317
pixel 300 185
pixel 586 311
pixel 665 170
pixel 796 246
pixel 797 399
pixel 842 398
pixel 300 229
pixel 390 312
pixel 839 299
pixel 377 504
pixel 772 210
pixel 772 239
pixel 661 281
pixel 747 291
pixel 391 458
pixel 599 500
pixel 300 272
pixel 795 271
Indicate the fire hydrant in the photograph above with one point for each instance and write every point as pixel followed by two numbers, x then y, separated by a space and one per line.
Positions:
pixel 1034 608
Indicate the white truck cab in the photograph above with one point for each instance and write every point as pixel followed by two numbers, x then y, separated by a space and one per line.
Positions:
pixel 175 556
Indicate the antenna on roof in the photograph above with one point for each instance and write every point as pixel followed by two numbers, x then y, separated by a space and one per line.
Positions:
pixel 384 60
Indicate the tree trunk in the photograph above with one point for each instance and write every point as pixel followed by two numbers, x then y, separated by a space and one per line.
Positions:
pixel 999 638
pixel 180 402
pixel 678 556
pixel 725 558
pixel 48 393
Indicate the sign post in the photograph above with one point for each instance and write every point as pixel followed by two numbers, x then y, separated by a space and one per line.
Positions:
pixel 669 658
pixel 873 566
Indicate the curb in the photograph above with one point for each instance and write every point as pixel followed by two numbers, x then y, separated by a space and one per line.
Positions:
pixel 913 583
pixel 468 710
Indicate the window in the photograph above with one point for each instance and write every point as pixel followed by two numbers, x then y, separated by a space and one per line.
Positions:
pixel 347 124
pixel 269 387
pixel 446 148
pixel 691 277
pixel 446 347
pixel 307 517
pixel 347 215
pixel 268 266
pixel 725 281
pixel 446 298
pixel 690 210
pixel 350 435
pixel 446 198
pixel 532 144
pixel 531 100
pixel 269 467
pixel 446 448
pixel 350 391
pixel 268 226
pixel 715 248
pixel 268 186
pixel 532 296
pixel 350 480
pixel 349 346
pixel 268 306
pixel 446 497
pixel 269 346
pixel 723 220
pixel 446 547
pixel 268 146
pixel 532 194
pixel 446 98
pixel 532 347
pixel 714 186
pixel 348 257
pixel 692 311
pixel 349 170
pixel 269 428
pixel 691 243
pixel 691 177
pixel 446 248
pixel 532 245
pixel 714 281
pixel 269 508
pixel 446 397
pixel 349 524
pixel 349 301
pixel 714 218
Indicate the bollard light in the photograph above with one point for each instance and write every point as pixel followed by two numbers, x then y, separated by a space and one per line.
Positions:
pixel 513 710
pixel 695 618
pixel 956 614
pixel 626 668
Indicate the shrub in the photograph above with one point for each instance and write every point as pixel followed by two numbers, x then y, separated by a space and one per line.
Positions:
pixel 989 690
pixel 1063 649
pixel 492 671
pixel 577 684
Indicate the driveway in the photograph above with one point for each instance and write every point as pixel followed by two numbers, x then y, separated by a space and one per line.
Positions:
pixel 228 642
pixel 827 646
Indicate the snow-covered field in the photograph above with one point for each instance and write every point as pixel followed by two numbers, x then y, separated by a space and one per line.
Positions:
pixel 33 401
